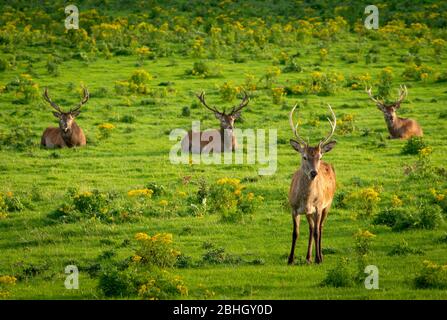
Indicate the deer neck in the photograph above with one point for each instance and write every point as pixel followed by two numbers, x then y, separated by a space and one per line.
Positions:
pixel 68 135
pixel 392 122
pixel 226 137
pixel 226 134
pixel 306 183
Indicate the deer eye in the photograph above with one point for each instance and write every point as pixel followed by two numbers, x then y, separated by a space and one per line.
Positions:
pixel 304 158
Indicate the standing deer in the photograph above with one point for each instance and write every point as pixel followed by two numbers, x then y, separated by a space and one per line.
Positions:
pixel 399 128
pixel 69 134
pixel 198 142
pixel 312 188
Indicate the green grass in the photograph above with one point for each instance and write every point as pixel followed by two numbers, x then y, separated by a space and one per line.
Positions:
pixel 137 153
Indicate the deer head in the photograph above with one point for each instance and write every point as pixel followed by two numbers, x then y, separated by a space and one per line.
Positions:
pixel 66 119
pixel 311 156
pixel 226 119
pixel 389 110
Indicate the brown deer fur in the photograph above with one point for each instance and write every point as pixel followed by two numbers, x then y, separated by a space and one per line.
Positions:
pixel 68 134
pixel 227 142
pixel 399 128
pixel 311 191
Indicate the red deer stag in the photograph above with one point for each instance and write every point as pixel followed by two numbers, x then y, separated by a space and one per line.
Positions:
pixel 69 134
pixel 312 188
pixel 399 128
pixel 197 142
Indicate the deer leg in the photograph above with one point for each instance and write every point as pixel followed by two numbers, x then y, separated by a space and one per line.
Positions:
pixel 295 233
pixel 317 220
pixel 311 236
pixel 323 218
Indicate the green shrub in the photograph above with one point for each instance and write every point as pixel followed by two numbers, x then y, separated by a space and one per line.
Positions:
pixel 128 118
pixel 116 283
pixel 186 111
pixel 19 138
pixel 365 201
pixel 4 65
pixel 414 145
pixel 426 216
pixel 217 255
pixel 204 70
pixel 162 285
pixel 228 198
pixel 5 283
pixel 340 276
pixel 157 189
pixel 292 66
pixel 430 216
pixel 156 250
pixel 431 276
pixel 402 249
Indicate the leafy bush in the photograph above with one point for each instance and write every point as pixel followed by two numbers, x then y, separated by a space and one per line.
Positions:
pixel 402 249
pixel 186 111
pixel 385 82
pixel 161 285
pixel 292 66
pixel 431 276
pixel 157 189
pixel 227 197
pixel 414 145
pixel 19 138
pixel 156 250
pixel 325 84
pixel 6 282
pixel 340 276
pixel 217 255
pixel 86 205
pixel 204 70
pixel 144 274
pixel 417 72
pixel 365 200
pixel 427 216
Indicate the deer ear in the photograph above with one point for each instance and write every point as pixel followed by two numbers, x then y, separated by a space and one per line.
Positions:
pixel 75 113
pixel 296 145
pixel 328 146
pixel 56 114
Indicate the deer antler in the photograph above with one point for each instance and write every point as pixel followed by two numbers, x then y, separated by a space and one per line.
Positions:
pixel 201 97
pixel 83 101
pixel 244 102
pixel 333 124
pixel 378 102
pixel 403 92
pixel 47 98
pixel 295 127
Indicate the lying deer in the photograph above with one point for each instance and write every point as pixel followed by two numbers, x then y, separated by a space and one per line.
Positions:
pixel 399 128
pixel 69 134
pixel 222 140
pixel 312 188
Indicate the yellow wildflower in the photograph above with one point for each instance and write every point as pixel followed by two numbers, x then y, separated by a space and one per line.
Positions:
pixel 10 280
pixel 136 258
pixel 141 236
pixel 140 192
pixel 106 126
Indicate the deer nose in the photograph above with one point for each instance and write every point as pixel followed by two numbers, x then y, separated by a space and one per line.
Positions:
pixel 313 174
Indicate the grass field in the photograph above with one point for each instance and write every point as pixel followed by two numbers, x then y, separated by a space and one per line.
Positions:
pixel 35 248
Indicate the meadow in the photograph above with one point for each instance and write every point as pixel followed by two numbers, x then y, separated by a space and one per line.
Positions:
pixel 100 207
